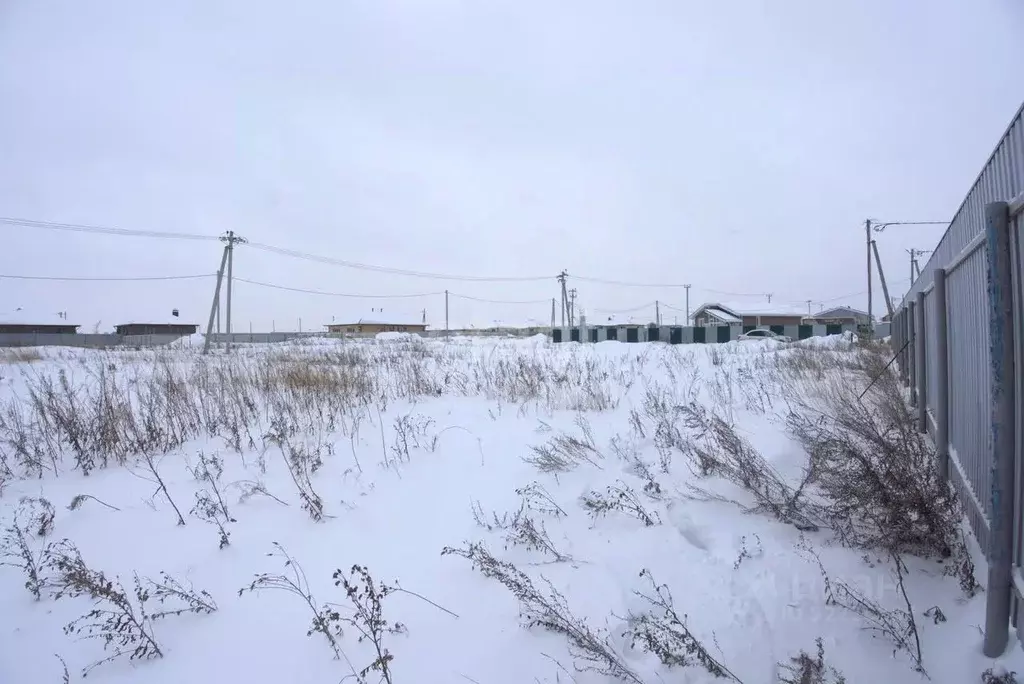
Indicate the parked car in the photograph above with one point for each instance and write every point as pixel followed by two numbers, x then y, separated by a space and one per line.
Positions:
pixel 764 334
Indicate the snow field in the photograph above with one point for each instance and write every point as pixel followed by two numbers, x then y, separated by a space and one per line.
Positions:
pixel 418 445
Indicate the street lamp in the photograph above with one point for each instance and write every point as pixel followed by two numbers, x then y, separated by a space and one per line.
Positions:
pixel 878 227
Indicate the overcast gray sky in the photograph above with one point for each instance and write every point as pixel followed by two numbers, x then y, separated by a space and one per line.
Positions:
pixel 737 146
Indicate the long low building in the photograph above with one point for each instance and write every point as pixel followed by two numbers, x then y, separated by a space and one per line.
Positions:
pixel 19 322
pixel 364 325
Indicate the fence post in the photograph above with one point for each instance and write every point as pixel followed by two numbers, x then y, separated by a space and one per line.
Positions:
pixel 941 376
pixel 904 354
pixel 1001 377
pixel 911 351
pixel 921 364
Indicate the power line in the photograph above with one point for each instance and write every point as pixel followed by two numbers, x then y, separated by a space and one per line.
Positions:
pixel 499 301
pixel 102 230
pixel 337 294
pixel 107 280
pixel 621 283
pixel 850 294
pixel 393 271
pixel 622 311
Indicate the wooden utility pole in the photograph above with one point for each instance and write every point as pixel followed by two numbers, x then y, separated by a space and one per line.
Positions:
pixel 215 306
pixel 565 296
pixel 572 307
pixel 230 240
pixel 881 276
pixel 867 232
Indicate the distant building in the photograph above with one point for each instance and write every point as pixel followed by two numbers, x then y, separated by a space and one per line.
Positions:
pixel 376 326
pixel 180 329
pixel 842 315
pixel 715 313
pixel 157 325
pixel 22 322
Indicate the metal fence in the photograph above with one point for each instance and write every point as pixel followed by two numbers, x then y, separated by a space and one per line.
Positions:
pixel 959 334
pixel 676 334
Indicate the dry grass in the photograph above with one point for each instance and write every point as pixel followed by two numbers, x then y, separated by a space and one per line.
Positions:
pixel 98 409
pixel 15 355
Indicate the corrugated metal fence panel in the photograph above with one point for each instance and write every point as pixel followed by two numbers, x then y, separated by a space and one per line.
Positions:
pixel 931 357
pixel 969 387
pixel 1017 238
pixel 1000 180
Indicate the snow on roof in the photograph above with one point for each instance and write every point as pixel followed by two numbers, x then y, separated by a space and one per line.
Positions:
pixel 166 319
pixel 721 313
pixel 847 309
pixel 756 309
pixel 22 317
pixel 398 320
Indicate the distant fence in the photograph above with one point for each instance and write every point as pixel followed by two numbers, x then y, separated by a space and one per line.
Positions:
pixel 675 334
pixel 103 341
pixel 960 337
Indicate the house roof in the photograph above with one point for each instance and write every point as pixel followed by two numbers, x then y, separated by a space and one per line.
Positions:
pixel 379 321
pixel 732 313
pixel 156 320
pixel 22 317
pixel 848 310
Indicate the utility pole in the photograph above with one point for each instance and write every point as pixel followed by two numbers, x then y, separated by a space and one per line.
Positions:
pixel 424 317
pixel 565 298
pixel 867 234
pixel 215 306
pixel 446 314
pixel 552 313
pixel 881 276
pixel 572 307
pixel 808 307
pixel 769 296
pixel 230 240
pixel 657 313
pixel 687 304
pixel 870 225
pixel 915 267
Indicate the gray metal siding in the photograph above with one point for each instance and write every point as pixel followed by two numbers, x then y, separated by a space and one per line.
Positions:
pixel 970 387
pixel 931 360
pixel 1000 180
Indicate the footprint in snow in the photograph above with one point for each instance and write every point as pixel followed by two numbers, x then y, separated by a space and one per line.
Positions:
pixel 691 532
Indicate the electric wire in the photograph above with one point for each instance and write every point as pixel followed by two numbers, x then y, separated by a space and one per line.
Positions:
pixel 393 271
pixel 499 301
pixel 102 230
pixel 648 305
pixel 115 279
pixel 107 230
pixel 336 294
pixel 622 283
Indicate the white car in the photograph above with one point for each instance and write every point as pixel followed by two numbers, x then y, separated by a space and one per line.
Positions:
pixel 764 334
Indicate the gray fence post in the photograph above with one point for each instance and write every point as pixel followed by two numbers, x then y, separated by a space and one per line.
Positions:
pixel 911 351
pixel 1003 442
pixel 921 369
pixel 904 343
pixel 941 376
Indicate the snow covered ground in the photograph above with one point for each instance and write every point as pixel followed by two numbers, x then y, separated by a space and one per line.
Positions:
pixel 568 462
